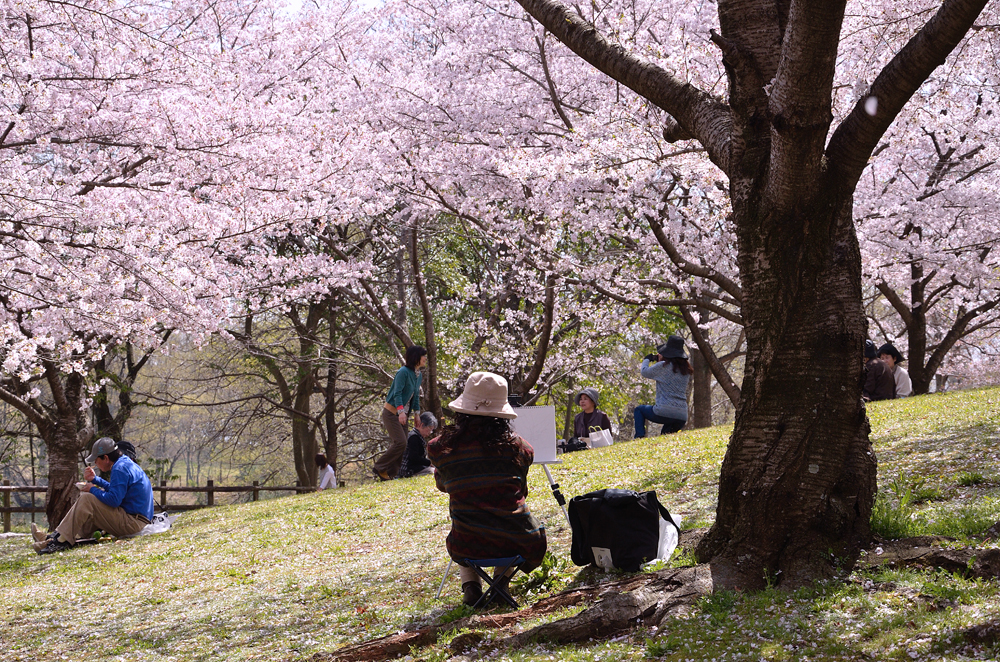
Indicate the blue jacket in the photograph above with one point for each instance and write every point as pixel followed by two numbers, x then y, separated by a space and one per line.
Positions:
pixel 129 489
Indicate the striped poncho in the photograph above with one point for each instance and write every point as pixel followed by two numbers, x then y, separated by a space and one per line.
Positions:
pixel 489 518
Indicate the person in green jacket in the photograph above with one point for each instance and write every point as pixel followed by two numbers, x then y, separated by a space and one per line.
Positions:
pixel 403 399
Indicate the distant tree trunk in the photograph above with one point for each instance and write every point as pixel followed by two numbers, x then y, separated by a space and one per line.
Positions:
pixel 702 400
pixel 702 379
pixel 570 403
pixel 65 436
pixel 433 399
pixel 331 408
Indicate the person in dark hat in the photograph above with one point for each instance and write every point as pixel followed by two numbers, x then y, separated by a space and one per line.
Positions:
pixel 892 358
pixel 670 368
pixel 121 506
pixel 879 382
pixel 591 416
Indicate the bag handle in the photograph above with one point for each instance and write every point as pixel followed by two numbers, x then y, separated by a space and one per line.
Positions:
pixel 665 514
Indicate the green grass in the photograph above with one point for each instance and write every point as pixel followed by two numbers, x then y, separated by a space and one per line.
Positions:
pixel 288 578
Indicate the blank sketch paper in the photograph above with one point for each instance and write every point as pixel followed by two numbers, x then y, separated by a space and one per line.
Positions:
pixel 538 427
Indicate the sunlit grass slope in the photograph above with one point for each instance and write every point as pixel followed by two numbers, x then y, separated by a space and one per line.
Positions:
pixel 287 578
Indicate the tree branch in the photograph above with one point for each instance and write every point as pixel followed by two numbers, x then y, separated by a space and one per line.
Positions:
pixel 858 135
pixel 719 370
pixel 702 116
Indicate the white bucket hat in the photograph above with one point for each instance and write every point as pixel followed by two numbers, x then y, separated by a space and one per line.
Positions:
pixel 485 394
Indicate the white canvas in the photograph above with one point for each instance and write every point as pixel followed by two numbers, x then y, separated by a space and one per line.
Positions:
pixel 538 427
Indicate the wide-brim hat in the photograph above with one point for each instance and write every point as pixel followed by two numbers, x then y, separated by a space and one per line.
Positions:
pixel 102 446
pixel 590 393
pixel 485 394
pixel 673 348
pixel 889 349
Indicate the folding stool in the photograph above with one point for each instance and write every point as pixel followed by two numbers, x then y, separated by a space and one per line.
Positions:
pixel 496 588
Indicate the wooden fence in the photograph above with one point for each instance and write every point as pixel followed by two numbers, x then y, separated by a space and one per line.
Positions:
pixel 210 490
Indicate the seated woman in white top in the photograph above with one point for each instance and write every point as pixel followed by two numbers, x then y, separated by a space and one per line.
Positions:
pixel 327 478
pixel 892 358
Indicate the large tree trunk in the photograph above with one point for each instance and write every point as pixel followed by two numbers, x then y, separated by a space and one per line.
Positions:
pixel 798 479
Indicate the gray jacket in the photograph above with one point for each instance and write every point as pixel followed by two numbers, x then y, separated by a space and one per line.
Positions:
pixel 671 389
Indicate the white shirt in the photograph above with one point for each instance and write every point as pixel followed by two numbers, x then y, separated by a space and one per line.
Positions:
pixel 327 478
pixel 904 387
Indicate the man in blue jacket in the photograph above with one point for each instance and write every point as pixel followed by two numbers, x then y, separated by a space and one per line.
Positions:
pixel 120 507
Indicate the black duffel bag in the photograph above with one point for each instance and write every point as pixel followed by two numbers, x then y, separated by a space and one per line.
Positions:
pixel 618 528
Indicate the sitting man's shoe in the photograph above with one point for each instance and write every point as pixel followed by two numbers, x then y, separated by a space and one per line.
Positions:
pixel 471 592
pixel 37 533
pixel 381 475
pixel 55 545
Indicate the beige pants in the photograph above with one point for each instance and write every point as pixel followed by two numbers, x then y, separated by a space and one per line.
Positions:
pixel 89 514
pixel 392 459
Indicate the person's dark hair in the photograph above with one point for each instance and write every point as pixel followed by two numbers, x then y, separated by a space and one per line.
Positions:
pixel 680 365
pixel 494 434
pixel 413 355
pixel 114 455
pixel 320 460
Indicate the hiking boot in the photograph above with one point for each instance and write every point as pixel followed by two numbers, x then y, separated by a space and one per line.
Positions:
pixel 39 545
pixel 381 475
pixel 55 545
pixel 37 533
pixel 471 592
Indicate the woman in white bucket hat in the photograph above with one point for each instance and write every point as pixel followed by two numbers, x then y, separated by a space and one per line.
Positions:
pixel 483 466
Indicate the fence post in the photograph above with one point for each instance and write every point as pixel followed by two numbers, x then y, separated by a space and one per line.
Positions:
pixel 163 495
pixel 211 492
pixel 6 504
pixel 256 490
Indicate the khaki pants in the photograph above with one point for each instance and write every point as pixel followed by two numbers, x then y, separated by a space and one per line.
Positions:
pixel 89 514
pixel 392 459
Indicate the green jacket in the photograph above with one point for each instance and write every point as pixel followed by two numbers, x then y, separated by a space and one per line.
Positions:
pixel 405 390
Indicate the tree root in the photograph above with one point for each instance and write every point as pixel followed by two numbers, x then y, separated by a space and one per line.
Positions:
pixel 925 552
pixel 614 607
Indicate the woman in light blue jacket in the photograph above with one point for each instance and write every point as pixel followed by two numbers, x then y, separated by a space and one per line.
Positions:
pixel 671 371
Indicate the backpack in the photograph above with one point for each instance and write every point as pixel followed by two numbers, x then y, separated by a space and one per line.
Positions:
pixel 128 450
pixel 621 529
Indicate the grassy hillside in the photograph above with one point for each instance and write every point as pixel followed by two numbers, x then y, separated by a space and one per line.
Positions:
pixel 287 578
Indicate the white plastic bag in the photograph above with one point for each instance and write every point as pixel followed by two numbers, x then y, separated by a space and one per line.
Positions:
pixel 600 438
pixel 668 539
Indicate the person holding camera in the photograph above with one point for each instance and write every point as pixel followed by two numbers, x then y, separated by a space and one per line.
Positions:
pixel 670 369
pixel 403 398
